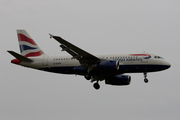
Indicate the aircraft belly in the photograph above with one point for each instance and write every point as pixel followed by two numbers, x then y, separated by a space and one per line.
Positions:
pixel 122 69
pixel 141 68
pixel 64 70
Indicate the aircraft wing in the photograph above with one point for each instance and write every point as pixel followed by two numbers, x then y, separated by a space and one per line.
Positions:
pixel 81 55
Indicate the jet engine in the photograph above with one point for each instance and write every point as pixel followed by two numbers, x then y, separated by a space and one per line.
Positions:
pixel 107 65
pixel 118 80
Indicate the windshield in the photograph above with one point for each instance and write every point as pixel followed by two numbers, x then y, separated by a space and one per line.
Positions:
pixel 158 57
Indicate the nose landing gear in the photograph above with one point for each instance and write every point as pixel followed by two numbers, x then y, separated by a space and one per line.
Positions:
pixel 145 77
pixel 146 80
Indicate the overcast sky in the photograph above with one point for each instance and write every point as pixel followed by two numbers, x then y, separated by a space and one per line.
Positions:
pixel 97 26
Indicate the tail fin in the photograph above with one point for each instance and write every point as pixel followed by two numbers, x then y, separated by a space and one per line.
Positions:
pixel 28 47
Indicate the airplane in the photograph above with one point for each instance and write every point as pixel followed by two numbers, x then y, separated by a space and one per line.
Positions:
pixel 110 67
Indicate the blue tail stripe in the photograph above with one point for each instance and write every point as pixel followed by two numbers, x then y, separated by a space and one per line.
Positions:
pixel 25 47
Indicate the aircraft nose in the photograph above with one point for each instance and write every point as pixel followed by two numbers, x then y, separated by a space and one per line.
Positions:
pixel 166 64
pixel 169 65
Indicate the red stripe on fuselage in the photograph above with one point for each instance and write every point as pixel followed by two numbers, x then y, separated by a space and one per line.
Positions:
pixel 34 54
pixel 22 37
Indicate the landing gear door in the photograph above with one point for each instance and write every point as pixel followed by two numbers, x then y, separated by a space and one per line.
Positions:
pixel 45 60
pixel 145 58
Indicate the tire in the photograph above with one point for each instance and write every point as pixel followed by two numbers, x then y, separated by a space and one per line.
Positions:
pixel 96 86
pixel 146 80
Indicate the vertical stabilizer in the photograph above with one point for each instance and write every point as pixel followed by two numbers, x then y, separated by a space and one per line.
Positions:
pixel 28 47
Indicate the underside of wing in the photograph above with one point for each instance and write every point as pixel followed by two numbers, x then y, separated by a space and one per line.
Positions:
pixel 81 55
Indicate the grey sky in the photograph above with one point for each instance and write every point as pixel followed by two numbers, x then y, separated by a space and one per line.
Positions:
pixel 97 26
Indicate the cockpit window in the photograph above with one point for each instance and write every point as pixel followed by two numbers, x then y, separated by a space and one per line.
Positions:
pixel 158 57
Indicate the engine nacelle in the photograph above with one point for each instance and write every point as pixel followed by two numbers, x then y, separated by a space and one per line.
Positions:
pixel 107 65
pixel 118 80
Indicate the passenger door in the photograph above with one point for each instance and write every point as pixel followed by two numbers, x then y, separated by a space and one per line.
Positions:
pixel 45 60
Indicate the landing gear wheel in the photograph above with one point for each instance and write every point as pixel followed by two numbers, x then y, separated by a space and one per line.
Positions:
pixel 146 80
pixel 96 85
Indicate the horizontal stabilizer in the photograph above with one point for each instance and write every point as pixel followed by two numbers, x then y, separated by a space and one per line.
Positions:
pixel 20 57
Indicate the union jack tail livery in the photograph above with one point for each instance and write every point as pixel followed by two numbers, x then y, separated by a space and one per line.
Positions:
pixel 28 47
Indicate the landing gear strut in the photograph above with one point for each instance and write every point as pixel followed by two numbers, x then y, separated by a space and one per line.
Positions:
pixel 87 76
pixel 96 85
pixel 145 77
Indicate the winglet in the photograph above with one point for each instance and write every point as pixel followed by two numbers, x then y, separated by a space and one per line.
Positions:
pixel 51 36
pixel 56 37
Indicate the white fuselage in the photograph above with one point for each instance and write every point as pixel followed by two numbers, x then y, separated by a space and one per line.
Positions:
pixel 138 63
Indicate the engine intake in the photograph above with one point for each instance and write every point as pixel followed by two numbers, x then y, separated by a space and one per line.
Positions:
pixel 118 80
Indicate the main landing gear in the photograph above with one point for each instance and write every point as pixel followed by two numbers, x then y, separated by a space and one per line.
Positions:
pixel 87 76
pixel 145 77
pixel 96 84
